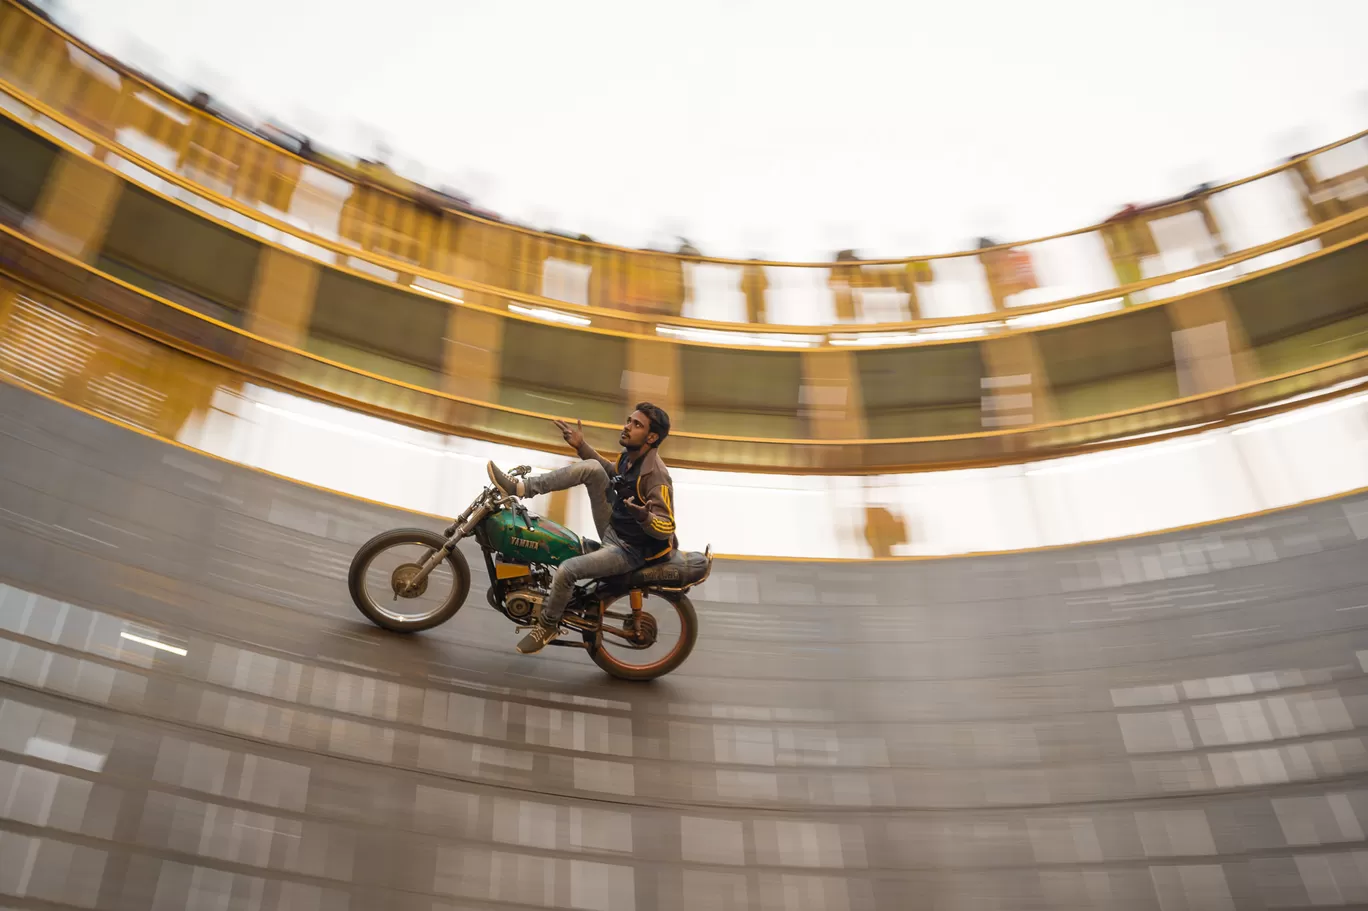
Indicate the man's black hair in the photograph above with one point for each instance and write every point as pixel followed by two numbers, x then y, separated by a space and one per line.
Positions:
pixel 660 421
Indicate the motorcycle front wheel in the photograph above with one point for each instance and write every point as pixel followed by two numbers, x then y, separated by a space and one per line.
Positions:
pixel 390 559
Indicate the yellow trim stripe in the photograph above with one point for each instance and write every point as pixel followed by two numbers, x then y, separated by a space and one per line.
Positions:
pixel 684 434
pixel 665 526
pixel 1263 410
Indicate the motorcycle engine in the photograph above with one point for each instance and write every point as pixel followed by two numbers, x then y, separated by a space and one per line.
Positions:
pixel 524 604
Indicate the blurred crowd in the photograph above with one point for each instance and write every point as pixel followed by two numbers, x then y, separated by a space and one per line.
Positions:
pixel 1012 266
pixel 861 290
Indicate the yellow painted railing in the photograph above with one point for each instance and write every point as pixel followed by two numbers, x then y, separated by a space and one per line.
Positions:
pixel 62 318
pixel 364 218
pixel 182 191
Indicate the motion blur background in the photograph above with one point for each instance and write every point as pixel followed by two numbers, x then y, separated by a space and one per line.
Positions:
pixel 1015 355
pixel 781 130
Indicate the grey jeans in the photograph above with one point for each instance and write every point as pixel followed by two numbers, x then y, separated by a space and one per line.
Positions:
pixel 612 559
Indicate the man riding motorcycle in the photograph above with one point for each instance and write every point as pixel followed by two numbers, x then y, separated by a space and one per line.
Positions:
pixel 632 502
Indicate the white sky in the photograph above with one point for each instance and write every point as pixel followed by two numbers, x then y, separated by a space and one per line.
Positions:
pixel 787 128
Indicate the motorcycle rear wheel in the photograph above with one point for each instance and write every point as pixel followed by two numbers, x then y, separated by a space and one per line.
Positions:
pixel 610 665
pixel 388 619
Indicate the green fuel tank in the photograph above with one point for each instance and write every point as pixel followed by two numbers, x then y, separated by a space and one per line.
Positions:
pixel 530 539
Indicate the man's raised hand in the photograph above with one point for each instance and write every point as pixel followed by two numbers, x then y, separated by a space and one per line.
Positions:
pixel 574 436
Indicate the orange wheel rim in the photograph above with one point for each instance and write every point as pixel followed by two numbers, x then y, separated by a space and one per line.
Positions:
pixel 636 601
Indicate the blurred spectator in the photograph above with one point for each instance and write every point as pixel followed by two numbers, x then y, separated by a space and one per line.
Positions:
pixel 40 8
pixel 844 282
pixel 896 277
pixel 755 285
pixel 884 529
pixel 665 285
pixel 1128 240
pixel 917 272
pixel 640 282
pixel 285 138
pixel 1201 189
pixel 482 253
pixel 1009 271
pixel 1129 237
pixel 1196 200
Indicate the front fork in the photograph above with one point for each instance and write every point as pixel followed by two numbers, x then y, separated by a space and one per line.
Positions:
pixel 464 525
pixel 457 530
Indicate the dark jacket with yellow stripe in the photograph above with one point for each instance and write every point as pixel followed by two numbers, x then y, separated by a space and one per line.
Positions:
pixel 649 480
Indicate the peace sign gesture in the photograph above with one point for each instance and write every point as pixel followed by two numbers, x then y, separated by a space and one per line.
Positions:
pixel 574 436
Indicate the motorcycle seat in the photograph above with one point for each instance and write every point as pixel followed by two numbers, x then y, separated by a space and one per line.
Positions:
pixel 679 571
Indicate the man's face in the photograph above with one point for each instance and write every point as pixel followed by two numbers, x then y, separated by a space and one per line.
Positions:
pixel 636 433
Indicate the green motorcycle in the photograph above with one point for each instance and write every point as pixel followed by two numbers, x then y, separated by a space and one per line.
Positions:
pixel 638 626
